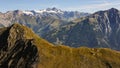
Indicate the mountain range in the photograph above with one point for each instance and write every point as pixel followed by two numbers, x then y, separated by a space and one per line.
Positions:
pixel 20 47
pixel 41 21
pixel 98 30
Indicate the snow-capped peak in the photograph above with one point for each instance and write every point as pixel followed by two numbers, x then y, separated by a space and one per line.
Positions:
pixel 53 9
pixel 28 12
pixel 48 10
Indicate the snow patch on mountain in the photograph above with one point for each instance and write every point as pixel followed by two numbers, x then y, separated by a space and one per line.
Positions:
pixel 28 12
pixel 48 10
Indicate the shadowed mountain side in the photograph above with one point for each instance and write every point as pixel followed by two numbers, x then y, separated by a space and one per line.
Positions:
pixel 17 49
pixel 21 48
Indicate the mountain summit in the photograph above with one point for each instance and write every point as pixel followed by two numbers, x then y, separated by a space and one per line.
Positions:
pixel 114 9
pixel 18 48
pixel 54 9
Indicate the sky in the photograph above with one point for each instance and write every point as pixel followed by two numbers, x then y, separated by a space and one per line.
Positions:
pixel 68 5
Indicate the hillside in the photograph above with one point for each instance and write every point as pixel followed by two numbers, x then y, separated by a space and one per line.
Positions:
pixel 21 48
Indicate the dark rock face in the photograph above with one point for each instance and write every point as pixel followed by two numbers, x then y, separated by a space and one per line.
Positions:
pixel 15 50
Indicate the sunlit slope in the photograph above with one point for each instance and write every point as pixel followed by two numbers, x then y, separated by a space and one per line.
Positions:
pixel 35 52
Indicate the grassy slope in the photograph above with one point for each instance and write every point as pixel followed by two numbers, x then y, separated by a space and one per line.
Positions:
pixel 51 56
pixel 65 57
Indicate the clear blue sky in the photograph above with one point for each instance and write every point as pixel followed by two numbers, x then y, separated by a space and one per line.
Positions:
pixel 75 5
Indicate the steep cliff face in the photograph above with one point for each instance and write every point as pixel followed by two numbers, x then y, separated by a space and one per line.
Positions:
pixel 16 49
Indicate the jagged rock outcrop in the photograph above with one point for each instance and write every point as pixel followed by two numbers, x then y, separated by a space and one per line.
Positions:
pixel 17 50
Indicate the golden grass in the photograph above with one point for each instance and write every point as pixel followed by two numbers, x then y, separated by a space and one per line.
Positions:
pixel 51 56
